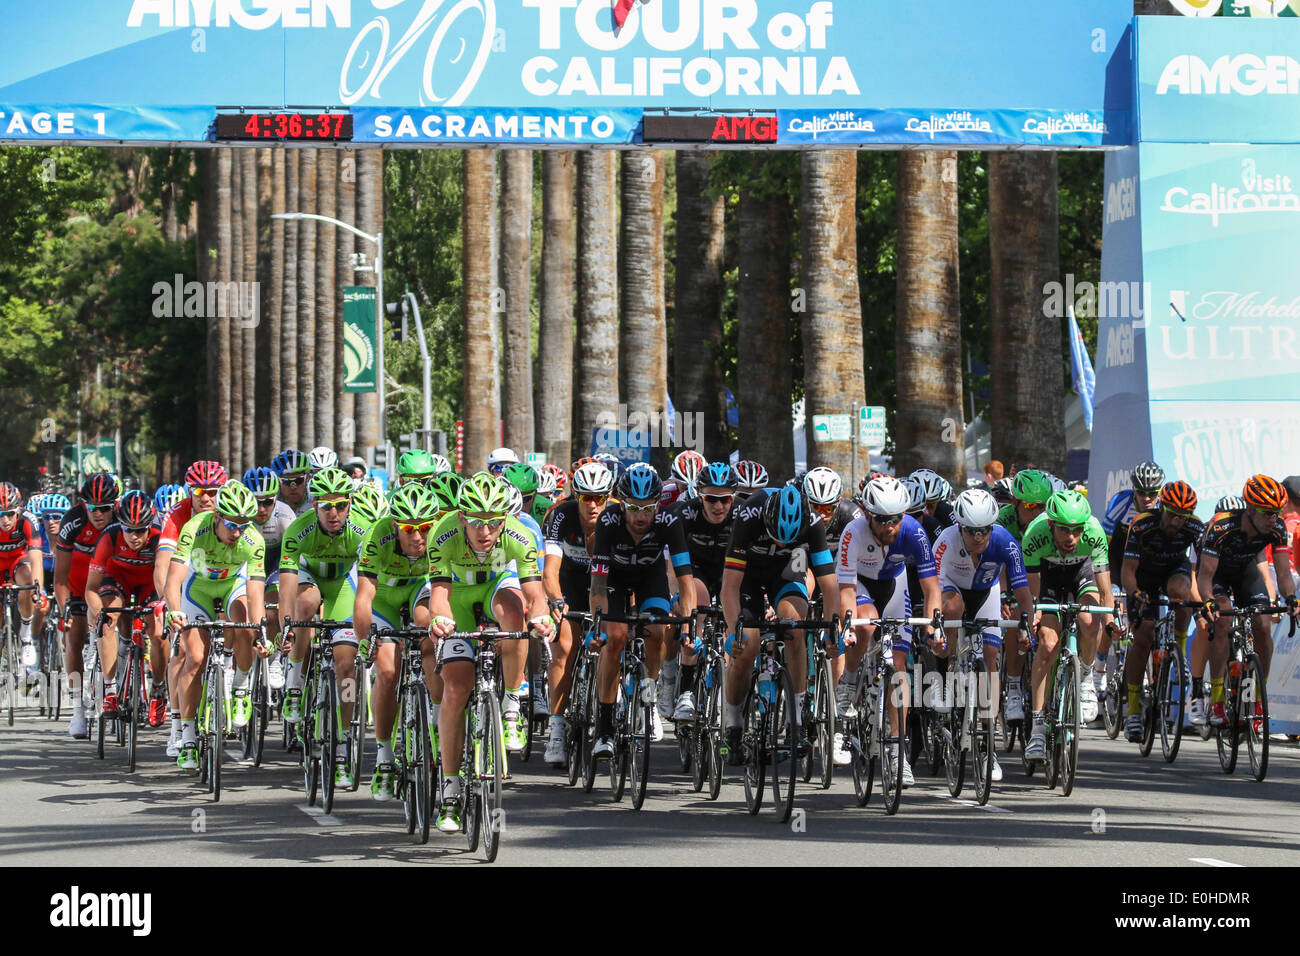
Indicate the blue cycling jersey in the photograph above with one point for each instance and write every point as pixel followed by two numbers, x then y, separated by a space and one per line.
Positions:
pixel 959 570
pixel 1120 512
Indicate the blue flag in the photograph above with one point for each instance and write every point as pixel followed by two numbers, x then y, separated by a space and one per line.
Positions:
pixel 1083 380
pixel 671 413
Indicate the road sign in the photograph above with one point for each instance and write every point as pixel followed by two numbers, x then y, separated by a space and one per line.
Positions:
pixel 871 426
pixel 832 427
pixel 535 458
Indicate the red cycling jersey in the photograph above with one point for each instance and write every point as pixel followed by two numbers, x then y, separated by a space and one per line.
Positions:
pixel 15 543
pixel 78 535
pixel 130 568
pixel 176 518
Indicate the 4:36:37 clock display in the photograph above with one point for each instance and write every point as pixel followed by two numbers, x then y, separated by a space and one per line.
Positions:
pixel 280 126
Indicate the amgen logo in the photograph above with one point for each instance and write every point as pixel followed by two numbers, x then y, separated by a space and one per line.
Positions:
pixel 1245 74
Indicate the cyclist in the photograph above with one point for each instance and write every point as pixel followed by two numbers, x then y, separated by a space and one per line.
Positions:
pixel 1232 571
pixel 415 465
pixel 78 534
pixel 318 573
pixel 627 559
pixel 356 469
pixel 500 458
pixel 1155 561
pixel 766 562
pixel 972 557
pixel 516 478
pixel 21 563
pixel 937 493
pixel 392 580
pixel 219 558
pixel 322 457
pixel 750 477
pixel 49 510
pixel 825 493
pixel 874 551
pixel 479 558
pixel 686 466
pixel 446 491
pixel 1065 561
pixel 1029 490
pixel 545 496
pixel 272 520
pixel 568 532
pixel 165 498
pixel 294 469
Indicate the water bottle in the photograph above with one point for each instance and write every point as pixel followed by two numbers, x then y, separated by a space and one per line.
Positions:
pixel 766 692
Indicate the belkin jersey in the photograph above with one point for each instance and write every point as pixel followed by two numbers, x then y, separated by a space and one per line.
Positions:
pixel 960 570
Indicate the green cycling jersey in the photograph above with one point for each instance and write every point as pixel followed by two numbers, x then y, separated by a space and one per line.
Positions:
pixel 382 558
pixel 199 547
pixel 452 560
pixel 1041 552
pixel 307 546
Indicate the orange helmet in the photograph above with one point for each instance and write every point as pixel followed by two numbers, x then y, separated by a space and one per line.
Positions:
pixel 1264 493
pixel 1178 496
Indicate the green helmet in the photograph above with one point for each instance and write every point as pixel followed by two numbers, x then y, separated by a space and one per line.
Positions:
pixel 416 464
pixel 523 476
pixel 1068 507
pixel 445 488
pixel 1031 487
pixel 411 503
pixel 368 503
pixel 483 494
pixel 330 481
pixel 234 500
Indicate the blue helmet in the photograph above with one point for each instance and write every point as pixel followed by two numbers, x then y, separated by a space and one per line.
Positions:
pixel 716 474
pixel 290 462
pixel 50 506
pixel 640 482
pixel 262 481
pixel 785 514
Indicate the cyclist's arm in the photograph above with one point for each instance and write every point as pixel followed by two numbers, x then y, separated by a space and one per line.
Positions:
pixel 1261 562
pixel 288 594
pixel 62 564
pixel 1025 601
pixel 37 558
pixel 933 595
pixel 535 595
pixel 1034 581
pixel 1128 575
pixel 551 578
pixel 363 605
pixel 831 597
pixel 175 578
pixel 256 595
pixel 730 597
pixel 440 607
pixel 94 580
pixel 1205 569
pixel 161 567
pixel 1282 565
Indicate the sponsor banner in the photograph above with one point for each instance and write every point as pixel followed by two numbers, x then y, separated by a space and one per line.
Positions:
pixel 1047 128
pixel 627 446
pixel 1226 80
pixel 69 123
pixel 1284 680
pixel 359 341
pixel 531 126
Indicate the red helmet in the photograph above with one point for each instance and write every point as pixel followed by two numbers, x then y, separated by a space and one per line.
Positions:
pixel 561 477
pixel 99 490
pixel 10 497
pixel 206 474
pixel 1178 496
pixel 1265 493
pixel 135 510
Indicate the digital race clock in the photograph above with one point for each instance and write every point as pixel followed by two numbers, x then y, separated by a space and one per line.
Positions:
pixel 280 126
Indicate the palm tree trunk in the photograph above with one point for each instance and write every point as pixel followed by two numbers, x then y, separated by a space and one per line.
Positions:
pixel 516 273
pixel 249 313
pixel 929 424
pixel 231 322
pixel 1028 408
pixel 370 216
pixel 763 297
pixel 327 166
pixel 307 307
pixel 289 433
pixel 643 334
pixel 698 386
pixel 554 382
pixel 220 325
pixel 207 252
pixel 597 292
pixel 832 326
pixel 481 403
pixel 345 435
pixel 270 270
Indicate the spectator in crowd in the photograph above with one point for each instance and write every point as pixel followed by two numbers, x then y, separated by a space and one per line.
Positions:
pixel 1291 515
pixel 993 471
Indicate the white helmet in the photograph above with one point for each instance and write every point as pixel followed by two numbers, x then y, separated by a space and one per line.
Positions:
pixel 593 478
pixel 502 456
pixel 321 457
pixel 885 496
pixel 916 491
pixel 440 464
pixel 1056 483
pixel 686 466
pixel 975 508
pixel 822 486
pixel 545 482
pixel 516 497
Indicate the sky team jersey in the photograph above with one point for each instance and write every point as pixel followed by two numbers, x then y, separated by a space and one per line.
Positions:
pixel 201 549
pixel 324 556
pixel 1154 548
pixel 615 553
pixel 1040 550
pixel 1236 547
pixel 1120 511
pixel 753 551
pixel 707 542
pixel 382 558
pixel 114 559
pixel 862 556
pixel 451 559
pixel 565 539
pixel 960 570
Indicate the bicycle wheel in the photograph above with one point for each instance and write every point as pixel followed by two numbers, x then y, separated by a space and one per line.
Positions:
pixel 54 671
pixel 311 760
pixel 261 709
pixel 712 732
pixel 404 751
pixel 752 740
pixel 1067 731
pixel 699 728
pixel 591 719
pixel 624 710
pixel 638 744
pixel 1149 704
pixel 1173 702
pixel 216 728
pixel 1052 765
pixel 327 729
pixel 954 756
pixel 526 707
pixel 471 810
pixel 824 707
pixel 859 738
pixel 1112 709
pixel 783 745
pixel 491 775
pixel 982 742
pixel 97 703
pixel 422 760
pixel 1228 737
pixel 10 676
pixel 135 680
pixel 890 746
pixel 1254 706
pixel 360 713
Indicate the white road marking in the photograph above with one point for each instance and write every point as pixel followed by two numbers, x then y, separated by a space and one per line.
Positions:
pixel 1210 861
pixel 971 803
pixel 320 816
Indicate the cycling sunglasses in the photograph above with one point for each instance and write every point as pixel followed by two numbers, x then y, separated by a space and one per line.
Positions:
pixel 640 509
pixel 207 492
pixel 1175 513
pixel 479 523
pixel 235 525
pixel 981 532
pixel 265 502
pixel 334 505
pixel 9 514
pixel 131 530
pixel 887 521
pixel 293 482
pixel 1071 528
pixel 718 499
pixel 1270 512
pixel 422 528
pixel 100 509
pixel 593 499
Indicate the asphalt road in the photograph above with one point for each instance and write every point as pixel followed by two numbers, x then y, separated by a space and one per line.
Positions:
pixel 63 806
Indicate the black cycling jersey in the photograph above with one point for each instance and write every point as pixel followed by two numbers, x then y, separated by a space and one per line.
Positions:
pixel 1237 548
pixel 617 554
pixel 706 541
pixel 1157 550
pixel 845 512
pixel 753 551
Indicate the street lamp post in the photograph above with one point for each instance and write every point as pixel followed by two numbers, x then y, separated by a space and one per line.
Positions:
pixel 378 240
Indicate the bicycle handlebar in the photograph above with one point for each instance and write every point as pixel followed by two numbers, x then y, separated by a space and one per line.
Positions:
pixel 902 621
pixel 1005 624
pixel 483 636
pixel 1075 608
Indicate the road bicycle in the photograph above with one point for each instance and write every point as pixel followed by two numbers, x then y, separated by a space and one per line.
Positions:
pixel 1163 698
pixel 132 696
pixel 12 673
pixel 707 730
pixel 580 713
pixel 1245 693
pixel 414 752
pixel 319 730
pixel 967 728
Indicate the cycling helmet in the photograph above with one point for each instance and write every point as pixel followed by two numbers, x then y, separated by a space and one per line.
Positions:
pixel 329 481
pixel 593 478
pixel 1057 484
pixel 440 464
pixel 522 476
pixel 1031 487
pixel 1264 492
pixel 98 490
pixel 640 483
pixel 369 503
pixel 289 462
pixel 687 465
pixel 412 503
pixel 716 474
pixel 546 481
pixel 262 482
pixel 886 497
pixel 750 475
pixel 206 474
pixel 1229 503
pixel 162 497
pixel 321 458
pixel 236 501
pixel 483 494
pixel 516 497
pixel 55 504
pixel 417 464
pixel 1068 507
pixel 822 486
pixel 935 487
pixel 975 508
pixel 1148 477
pixel 352 464
pixel 499 458
pixel 134 510
pixel 915 494
pixel 785 514
pixel 1001 490
pixel 11 498
pixel 560 476
pixel 1179 496
pixel 445 488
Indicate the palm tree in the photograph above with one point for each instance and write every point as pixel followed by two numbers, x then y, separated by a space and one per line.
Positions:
pixel 929 425
pixel 763 296
pixel 327 165
pixel 207 254
pixel 554 381
pixel 270 269
pixel 481 401
pixel 370 219
pixel 231 322
pixel 517 323
pixel 832 326
pixel 247 330
pixel 697 326
pixel 643 336
pixel 289 434
pixel 597 292
pixel 346 201
pixel 219 327
pixel 1028 408
pixel 307 315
